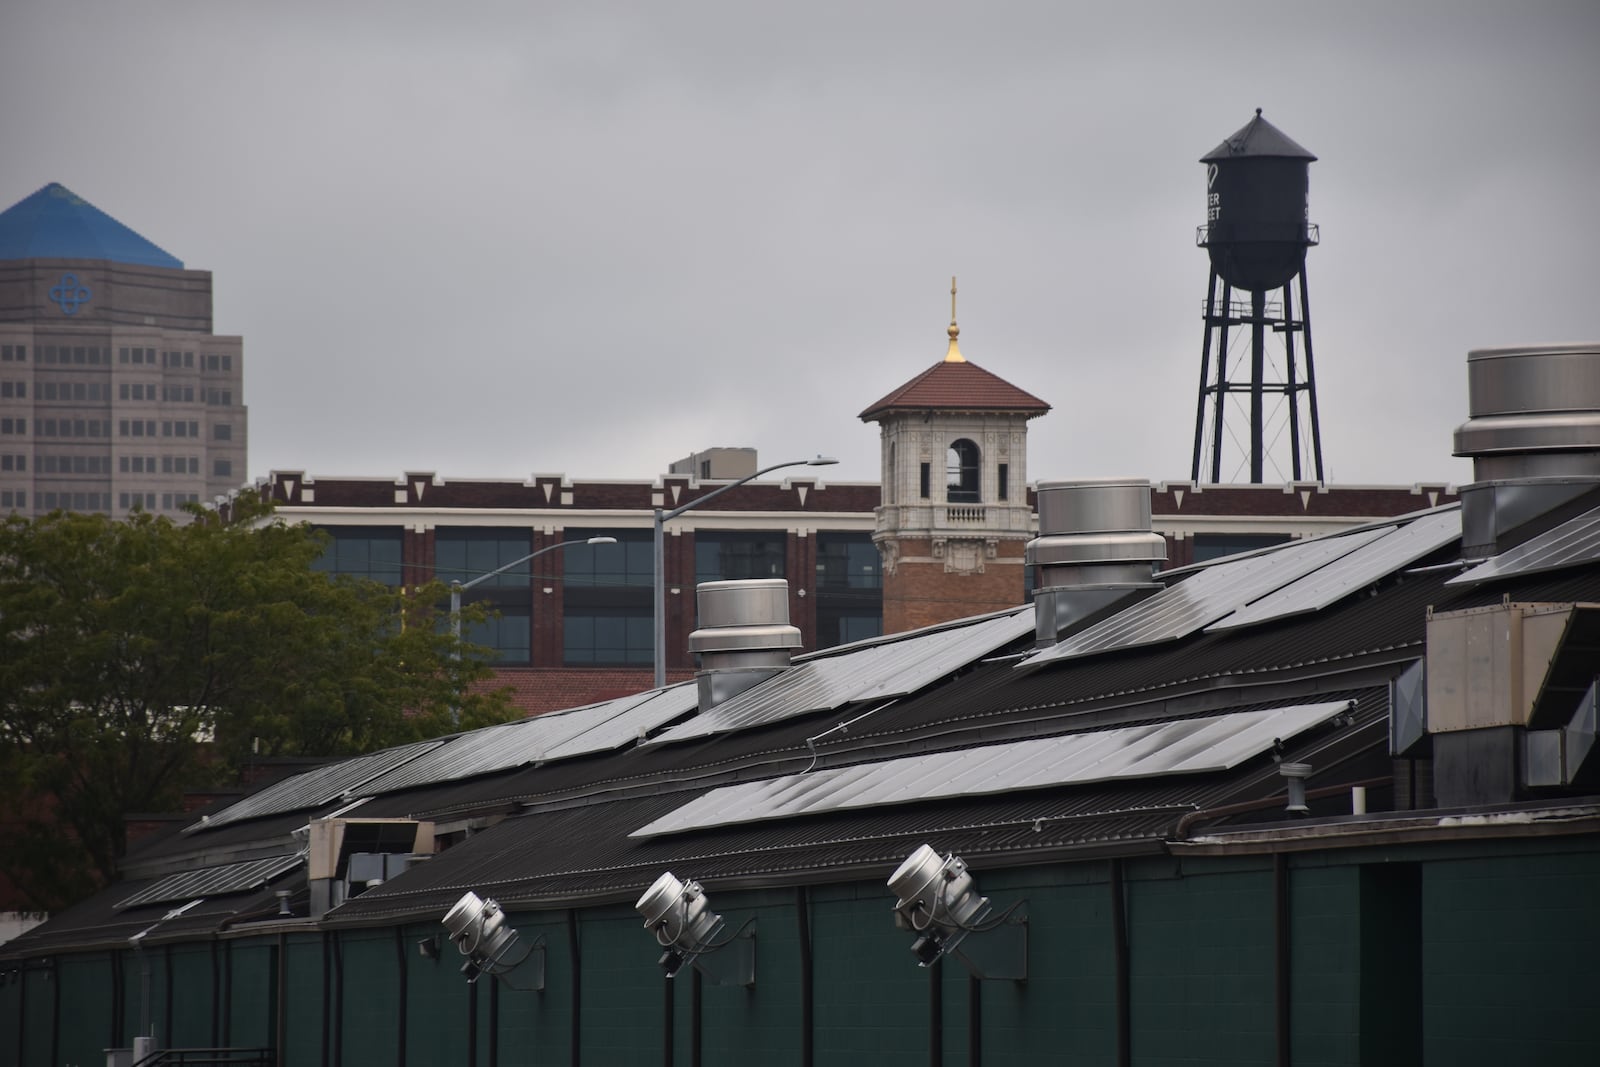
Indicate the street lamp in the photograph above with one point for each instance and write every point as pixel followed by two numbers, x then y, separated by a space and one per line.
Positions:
pixel 661 552
pixel 457 587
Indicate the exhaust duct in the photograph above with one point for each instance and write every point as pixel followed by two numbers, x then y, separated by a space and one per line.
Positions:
pixel 744 636
pixel 1094 548
pixel 1533 435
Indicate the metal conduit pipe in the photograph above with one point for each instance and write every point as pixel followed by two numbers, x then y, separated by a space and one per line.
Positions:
pixel 696 1036
pixel 974 1021
pixel 327 997
pixel 494 1024
pixel 575 1022
pixel 669 1025
pixel 281 1023
pixel 1188 821
pixel 338 1001
pixel 472 1024
pixel 166 982
pixel 935 1017
pixel 404 992
pixel 1119 950
pixel 802 907
pixel 1280 937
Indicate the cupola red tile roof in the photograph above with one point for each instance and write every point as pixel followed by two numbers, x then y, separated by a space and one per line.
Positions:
pixel 952 385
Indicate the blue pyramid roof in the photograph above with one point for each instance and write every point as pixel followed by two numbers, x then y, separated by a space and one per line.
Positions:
pixel 56 223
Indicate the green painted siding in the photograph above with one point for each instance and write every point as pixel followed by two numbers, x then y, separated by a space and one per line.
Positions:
pixel 1325 966
pixel 87 999
pixel 304 1010
pixel 436 1003
pixel 622 995
pixel 1509 949
pixel 760 1024
pixel 252 994
pixel 872 998
pixel 193 995
pixel 370 977
pixel 1201 960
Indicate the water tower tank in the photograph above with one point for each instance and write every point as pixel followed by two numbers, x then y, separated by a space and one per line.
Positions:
pixel 1257 220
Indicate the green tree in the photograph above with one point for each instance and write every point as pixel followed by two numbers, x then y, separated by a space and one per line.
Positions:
pixel 143 657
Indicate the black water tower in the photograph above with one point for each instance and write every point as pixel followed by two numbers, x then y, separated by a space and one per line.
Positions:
pixel 1256 232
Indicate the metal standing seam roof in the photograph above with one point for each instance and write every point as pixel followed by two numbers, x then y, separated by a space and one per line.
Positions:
pixel 1574 542
pixel 555 735
pixel 316 787
pixel 1206 596
pixel 56 223
pixel 214 881
pixel 1186 746
pixel 1351 573
pixel 871 672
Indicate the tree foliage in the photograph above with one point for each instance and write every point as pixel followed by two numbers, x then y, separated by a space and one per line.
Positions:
pixel 143 657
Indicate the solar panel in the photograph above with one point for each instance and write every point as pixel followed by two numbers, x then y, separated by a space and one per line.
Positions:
pixel 660 708
pixel 1209 594
pixel 1185 746
pixel 1574 542
pixel 874 671
pixel 214 881
pixel 1349 574
pixel 499 748
pixel 316 787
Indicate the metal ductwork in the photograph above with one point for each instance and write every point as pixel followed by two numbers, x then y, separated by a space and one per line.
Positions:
pixel 1533 437
pixel 1094 548
pixel 744 636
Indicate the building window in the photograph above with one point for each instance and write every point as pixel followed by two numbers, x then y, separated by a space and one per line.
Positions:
pixel 720 557
pixel 222 468
pixel 849 597
pixel 926 480
pixel 462 555
pixel 363 551
pixel 222 431
pixel 507 633
pixel 1214 546
pixel 961 472
pixel 1002 481
pixel 606 598
pixel 8 390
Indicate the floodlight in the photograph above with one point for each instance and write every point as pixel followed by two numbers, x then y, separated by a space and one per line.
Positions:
pixel 937 898
pixel 680 918
pixel 479 929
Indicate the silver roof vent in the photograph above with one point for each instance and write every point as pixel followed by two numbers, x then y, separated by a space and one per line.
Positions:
pixel 744 636
pixel 1095 546
pixel 1533 437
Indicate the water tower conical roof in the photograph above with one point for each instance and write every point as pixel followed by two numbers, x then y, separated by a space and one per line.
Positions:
pixel 1258 137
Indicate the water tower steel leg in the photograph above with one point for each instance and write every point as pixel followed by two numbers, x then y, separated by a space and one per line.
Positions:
pixel 1205 371
pixel 1222 384
pixel 1292 390
pixel 1258 356
pixel 1311 376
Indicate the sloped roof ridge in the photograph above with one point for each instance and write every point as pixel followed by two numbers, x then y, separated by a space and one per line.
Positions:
pixel 957 386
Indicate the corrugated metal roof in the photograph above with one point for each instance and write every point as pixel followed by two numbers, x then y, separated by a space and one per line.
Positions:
pixel 313 788
pixel 1207 595
pixel 1574 542
pixel 658 708
pixel 1187 746
pixel 1352 573
pixel 870 672
pixel 218 881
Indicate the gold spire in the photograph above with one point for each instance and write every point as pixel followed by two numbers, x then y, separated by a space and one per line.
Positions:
pixel 954 354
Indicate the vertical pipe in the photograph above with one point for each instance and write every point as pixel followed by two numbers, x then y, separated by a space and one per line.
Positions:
pixel 327 998
pixel 53 975
pixel 696 1031
pixel 1292 391
pixel 118 1008
pixel 166 983
pixel 1258 371
pixel 1222 383
pixel 575 1023
pixel 22 1012
pixel 935 1016
pixel 404 993
pixel 660 601
pixel 472 1024
pixel 1280 933
pixel 1205 372
pixel 216 997
pixel 1119 949
pixel 802 908
pixel 338 1000
pixel 494 1024
pixel 1311 373
pixel 670 1020
pixel 281 996
pixel 974 1021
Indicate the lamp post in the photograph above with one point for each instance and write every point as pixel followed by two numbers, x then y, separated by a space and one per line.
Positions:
pixel 457 587
pixel 660 551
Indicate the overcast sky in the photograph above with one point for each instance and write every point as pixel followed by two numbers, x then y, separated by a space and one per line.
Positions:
pixel 513 237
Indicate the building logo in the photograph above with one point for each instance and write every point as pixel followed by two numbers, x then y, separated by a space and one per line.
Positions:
pixel 69 295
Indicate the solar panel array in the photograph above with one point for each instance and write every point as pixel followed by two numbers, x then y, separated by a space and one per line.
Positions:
pixel 556 735
pixel 316 787
pixel 213 881
pixel 875 671
pixel 1574 542
pixel 1352 573
pixel 1185 746
pixel 1206 596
